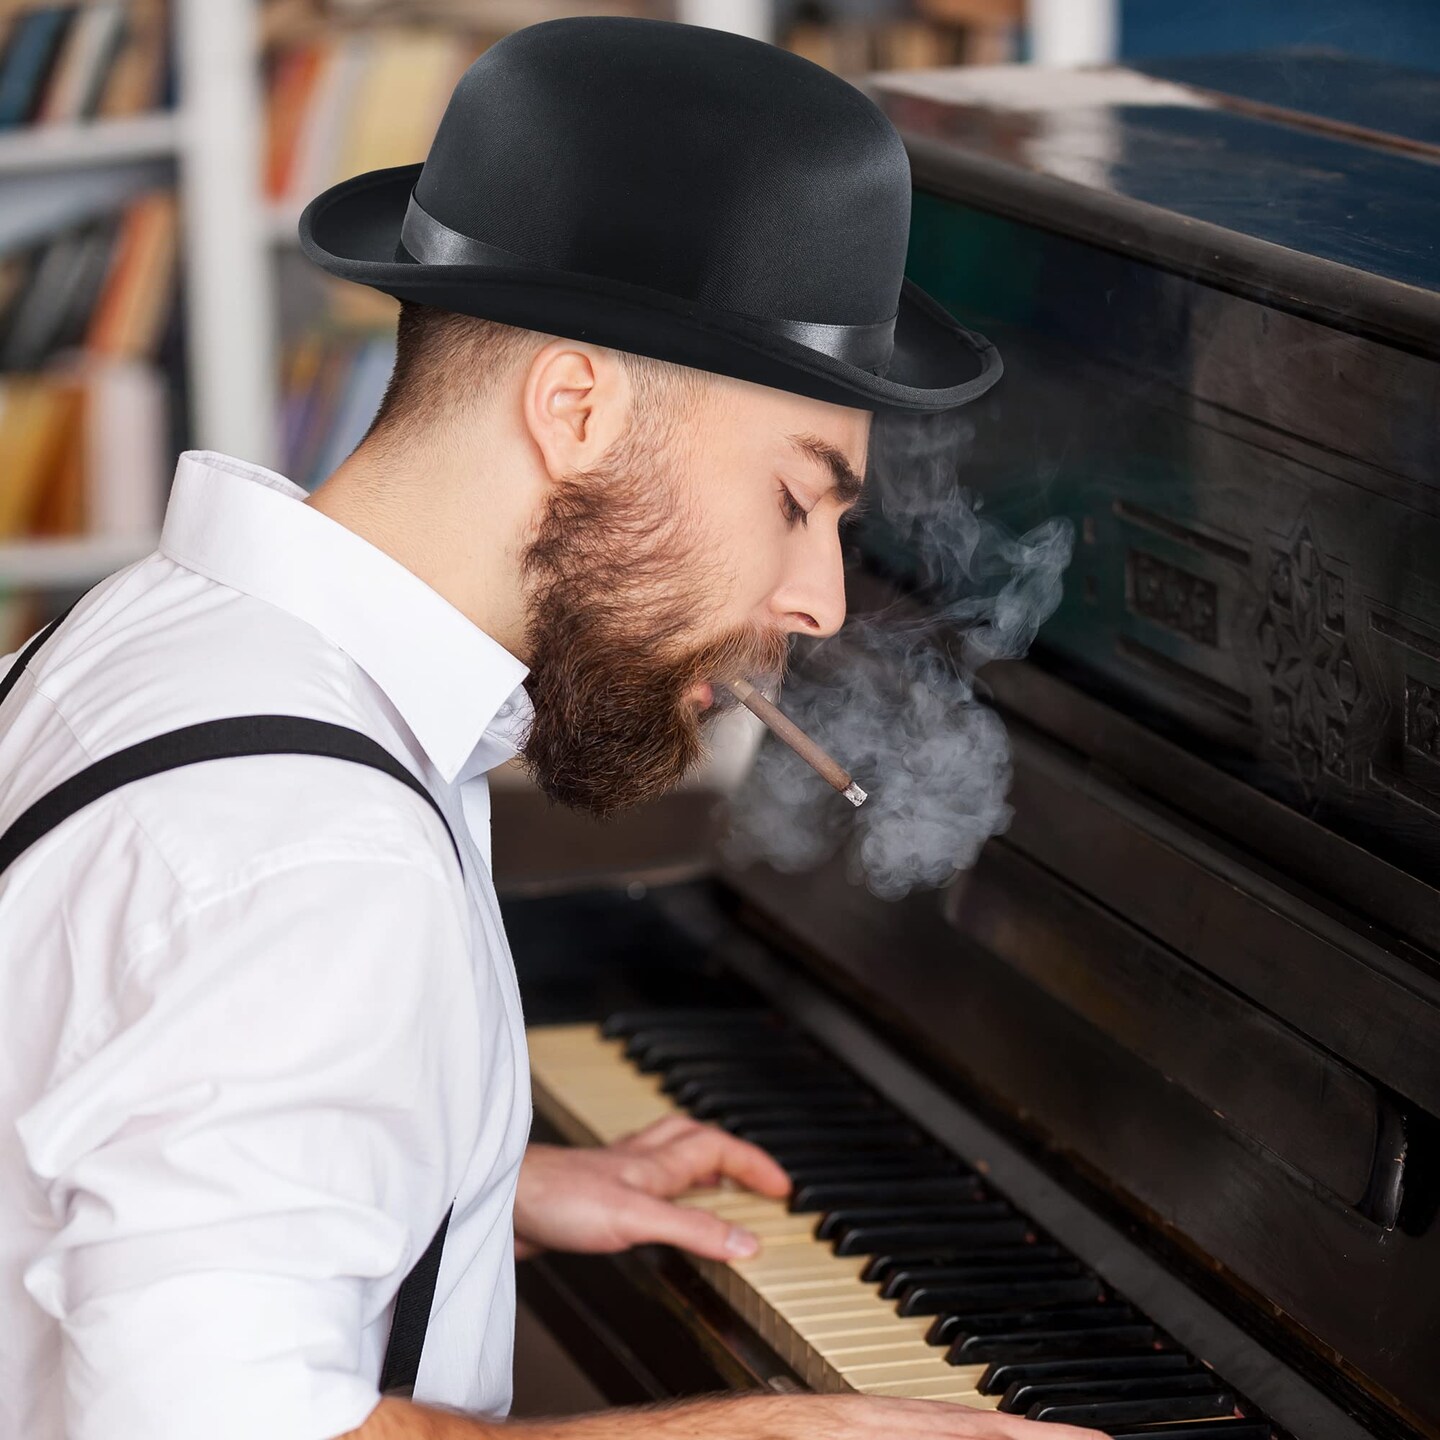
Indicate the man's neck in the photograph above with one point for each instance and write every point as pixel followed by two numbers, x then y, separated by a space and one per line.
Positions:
pixel 441 527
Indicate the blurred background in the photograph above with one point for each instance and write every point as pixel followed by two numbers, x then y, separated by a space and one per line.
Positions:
pixel 155 154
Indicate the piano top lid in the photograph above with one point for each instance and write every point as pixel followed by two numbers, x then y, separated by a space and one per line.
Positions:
pixel 1288 206
pixel 1382 104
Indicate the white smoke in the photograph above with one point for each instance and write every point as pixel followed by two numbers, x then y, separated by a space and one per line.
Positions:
pixel 892 696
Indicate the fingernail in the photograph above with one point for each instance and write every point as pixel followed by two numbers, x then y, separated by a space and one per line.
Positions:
pixel 740 1242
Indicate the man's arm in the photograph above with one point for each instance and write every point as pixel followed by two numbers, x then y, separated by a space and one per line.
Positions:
pixel 248 1160
pixel 740 1417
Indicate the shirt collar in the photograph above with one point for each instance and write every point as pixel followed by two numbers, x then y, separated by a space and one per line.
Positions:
pixel 458 690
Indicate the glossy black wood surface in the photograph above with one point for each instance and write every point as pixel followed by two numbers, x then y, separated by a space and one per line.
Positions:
pixel 1373 98
pixel 1302 219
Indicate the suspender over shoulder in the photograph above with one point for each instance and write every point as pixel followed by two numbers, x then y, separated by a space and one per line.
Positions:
pixel 220 740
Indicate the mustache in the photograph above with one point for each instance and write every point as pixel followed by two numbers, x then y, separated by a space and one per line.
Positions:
pixel 754 653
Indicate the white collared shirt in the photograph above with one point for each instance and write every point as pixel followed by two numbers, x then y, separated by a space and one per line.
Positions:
pixel 256 1033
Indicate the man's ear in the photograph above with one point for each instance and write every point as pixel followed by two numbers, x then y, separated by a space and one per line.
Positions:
pixel 576 401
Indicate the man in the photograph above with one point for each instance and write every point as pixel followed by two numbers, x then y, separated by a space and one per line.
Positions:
pixel 261 1031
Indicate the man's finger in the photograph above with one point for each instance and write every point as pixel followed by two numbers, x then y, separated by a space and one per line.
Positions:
pixel 659 1132
pixel 708 1152
pixel 648 1220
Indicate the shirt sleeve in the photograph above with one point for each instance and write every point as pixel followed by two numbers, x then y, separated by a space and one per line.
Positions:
pixel 246 1168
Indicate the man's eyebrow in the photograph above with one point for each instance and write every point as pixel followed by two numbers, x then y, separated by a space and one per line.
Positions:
pixel 848 484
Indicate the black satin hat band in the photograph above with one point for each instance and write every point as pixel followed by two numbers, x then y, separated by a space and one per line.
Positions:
pixel 432 242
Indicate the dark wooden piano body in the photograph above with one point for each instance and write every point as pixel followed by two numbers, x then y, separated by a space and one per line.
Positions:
pixel 1190 1001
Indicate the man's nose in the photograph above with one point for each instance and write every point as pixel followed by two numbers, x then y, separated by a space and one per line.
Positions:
pixel 811 600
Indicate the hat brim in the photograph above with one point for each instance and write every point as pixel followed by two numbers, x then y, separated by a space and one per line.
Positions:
pixel 352 231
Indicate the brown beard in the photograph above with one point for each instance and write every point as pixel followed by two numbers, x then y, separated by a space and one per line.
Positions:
pixel 610 664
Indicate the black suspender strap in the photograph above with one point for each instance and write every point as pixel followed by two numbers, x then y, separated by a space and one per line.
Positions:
pixel 219 740
pixel 7 682
pixel 209 740
pixel 412 1316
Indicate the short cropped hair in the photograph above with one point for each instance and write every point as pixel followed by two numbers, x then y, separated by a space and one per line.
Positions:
pixel 446 362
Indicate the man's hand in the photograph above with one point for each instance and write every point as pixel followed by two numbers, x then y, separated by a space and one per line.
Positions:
pixel 611 1198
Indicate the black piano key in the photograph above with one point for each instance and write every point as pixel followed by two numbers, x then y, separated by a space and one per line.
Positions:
pixel 735 1042
pixel 808 1158
pixel 975 1240
pixel 1003 1245
pixel 705 1103
pixel 1112 1414
pixel 895 1168
pixel 1054 1344
pixel 984 1255
pixel 1024 1394
pixel 778 1114
pixel 624 1023
pixel 956 1326
pixel 758 1022
pixel 924 1213
pixel 775 1072
pixel 935 1299
pixel 901 1278
pixel 660 1052
pixel 826 1195
pixel 868 1238
pixel 999 1378
pixel 770 1088
pixel 1232 1429
pixel 839 1137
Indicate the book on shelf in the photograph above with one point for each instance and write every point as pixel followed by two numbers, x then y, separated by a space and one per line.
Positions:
pixel 360 100
pixel 105 286
pixel 103 59
pixel 84 450
pixel 856 47
pixel 85 409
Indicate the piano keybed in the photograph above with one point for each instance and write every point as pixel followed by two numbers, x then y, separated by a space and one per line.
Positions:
pixel 894 1268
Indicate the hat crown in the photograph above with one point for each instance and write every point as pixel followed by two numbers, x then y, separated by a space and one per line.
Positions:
pixel 703 164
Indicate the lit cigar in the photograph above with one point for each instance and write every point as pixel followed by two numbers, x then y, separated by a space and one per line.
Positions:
pixel 783 726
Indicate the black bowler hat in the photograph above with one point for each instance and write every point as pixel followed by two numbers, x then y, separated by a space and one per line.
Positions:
pixel 672 191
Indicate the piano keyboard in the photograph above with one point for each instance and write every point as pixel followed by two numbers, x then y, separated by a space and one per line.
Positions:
pixel 894 1268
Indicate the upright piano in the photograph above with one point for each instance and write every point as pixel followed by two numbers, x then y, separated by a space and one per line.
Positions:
pixel 1137 1123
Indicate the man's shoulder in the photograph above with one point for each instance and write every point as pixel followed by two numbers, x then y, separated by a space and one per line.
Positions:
pixel 164 649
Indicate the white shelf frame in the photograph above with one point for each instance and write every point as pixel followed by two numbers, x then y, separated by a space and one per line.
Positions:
pixel 66 564
pixel 229 278
pixel 77 145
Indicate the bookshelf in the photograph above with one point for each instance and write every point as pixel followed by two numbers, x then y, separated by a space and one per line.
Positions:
pixel 207 148
pixel 45 148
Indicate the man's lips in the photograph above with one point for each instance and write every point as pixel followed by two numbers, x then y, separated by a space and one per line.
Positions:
pixel 702 696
